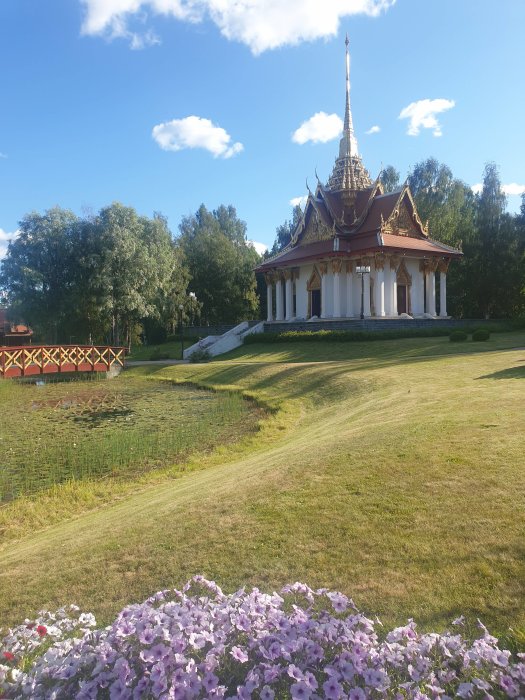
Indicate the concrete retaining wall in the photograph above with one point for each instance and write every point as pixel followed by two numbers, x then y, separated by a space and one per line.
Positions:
pixel 376 324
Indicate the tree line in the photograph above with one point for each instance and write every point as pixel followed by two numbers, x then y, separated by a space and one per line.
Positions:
pixel 114 276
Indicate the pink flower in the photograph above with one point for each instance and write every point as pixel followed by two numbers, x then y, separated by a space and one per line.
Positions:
pixel 239 654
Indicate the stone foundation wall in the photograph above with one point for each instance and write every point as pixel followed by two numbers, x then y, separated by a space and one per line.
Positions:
pixel 376 324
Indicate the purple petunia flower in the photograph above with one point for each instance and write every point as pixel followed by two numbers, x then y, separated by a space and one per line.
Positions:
pixel 300 691
pixel 332 689
pixel 179 646
pixel 239 654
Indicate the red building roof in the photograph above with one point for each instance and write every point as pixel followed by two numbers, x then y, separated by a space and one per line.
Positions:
pixel 375 222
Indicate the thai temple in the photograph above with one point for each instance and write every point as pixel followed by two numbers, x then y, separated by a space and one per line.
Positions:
pixel 357 251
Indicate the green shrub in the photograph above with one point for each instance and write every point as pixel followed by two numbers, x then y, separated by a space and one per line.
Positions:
pixel 200 355
pixel 458 336
pixel 343 336
pixel 158 355
pixel 481 334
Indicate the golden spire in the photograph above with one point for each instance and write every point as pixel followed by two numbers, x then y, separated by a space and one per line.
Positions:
pixel 349 172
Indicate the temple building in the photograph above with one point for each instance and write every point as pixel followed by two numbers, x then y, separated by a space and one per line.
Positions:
pixel 357 251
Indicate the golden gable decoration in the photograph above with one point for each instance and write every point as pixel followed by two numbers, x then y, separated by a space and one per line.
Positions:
pixel 316 231
pixel 401 223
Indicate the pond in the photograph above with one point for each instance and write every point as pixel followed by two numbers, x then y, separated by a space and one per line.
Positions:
pixel 99 428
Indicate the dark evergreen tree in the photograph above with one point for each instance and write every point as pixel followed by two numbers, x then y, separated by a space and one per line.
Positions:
pixel 495 253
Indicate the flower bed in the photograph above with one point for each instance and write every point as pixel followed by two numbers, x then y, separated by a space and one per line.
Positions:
pixel 201 643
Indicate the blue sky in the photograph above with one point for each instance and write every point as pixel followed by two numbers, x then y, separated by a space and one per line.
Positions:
pixel 95 98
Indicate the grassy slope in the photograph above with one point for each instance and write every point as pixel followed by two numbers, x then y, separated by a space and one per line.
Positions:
pixel 392 471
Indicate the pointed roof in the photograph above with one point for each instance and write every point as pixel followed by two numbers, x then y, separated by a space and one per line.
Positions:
pixel 349 173
pixel 386 223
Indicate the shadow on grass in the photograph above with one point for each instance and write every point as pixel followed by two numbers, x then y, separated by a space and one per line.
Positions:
pixel 509 373
pixel 292 381
pixel 370 354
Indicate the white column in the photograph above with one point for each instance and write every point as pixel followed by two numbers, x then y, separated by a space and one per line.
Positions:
pixel 388 290
pixel 380 292
pixel 301 294
pixel 323 269
pixel 431 293
pixel 443 294
pixel 366 304
pixel 279 310
pixel 289 297
pixel 394 293
pixel 394 263
pixel 269 299
pixel 336 269
pixel 349 295
pixel 418 291
pixel 337 295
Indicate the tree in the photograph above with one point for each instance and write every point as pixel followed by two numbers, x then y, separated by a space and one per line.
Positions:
pixel 139 268
pixel 390 178
pixel 220 264
pixel 520 229
pixel 495 253
pixel 285 231
pixel 39 271
pixel 448 205
pixel 96 277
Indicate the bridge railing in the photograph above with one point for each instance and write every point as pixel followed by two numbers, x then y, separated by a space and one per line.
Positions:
pixel 27 360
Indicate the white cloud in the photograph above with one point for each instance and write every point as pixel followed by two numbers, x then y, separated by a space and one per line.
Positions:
pixel 422 115
pixel 259 24
pixel 3 155
pixel 259 247
pixel 373 130
pixel 512 188
pixel 195 132
pixel 320 128
pixel 299 201
pixel 5 237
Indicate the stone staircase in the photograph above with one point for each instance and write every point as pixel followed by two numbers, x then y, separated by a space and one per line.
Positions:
pixel 219 344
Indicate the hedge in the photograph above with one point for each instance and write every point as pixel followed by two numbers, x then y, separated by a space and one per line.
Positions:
pixel 338 336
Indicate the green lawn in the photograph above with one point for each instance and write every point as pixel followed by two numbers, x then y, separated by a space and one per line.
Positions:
pixel 393 471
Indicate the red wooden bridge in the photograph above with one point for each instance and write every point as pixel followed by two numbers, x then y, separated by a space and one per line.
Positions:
pixel 27 360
